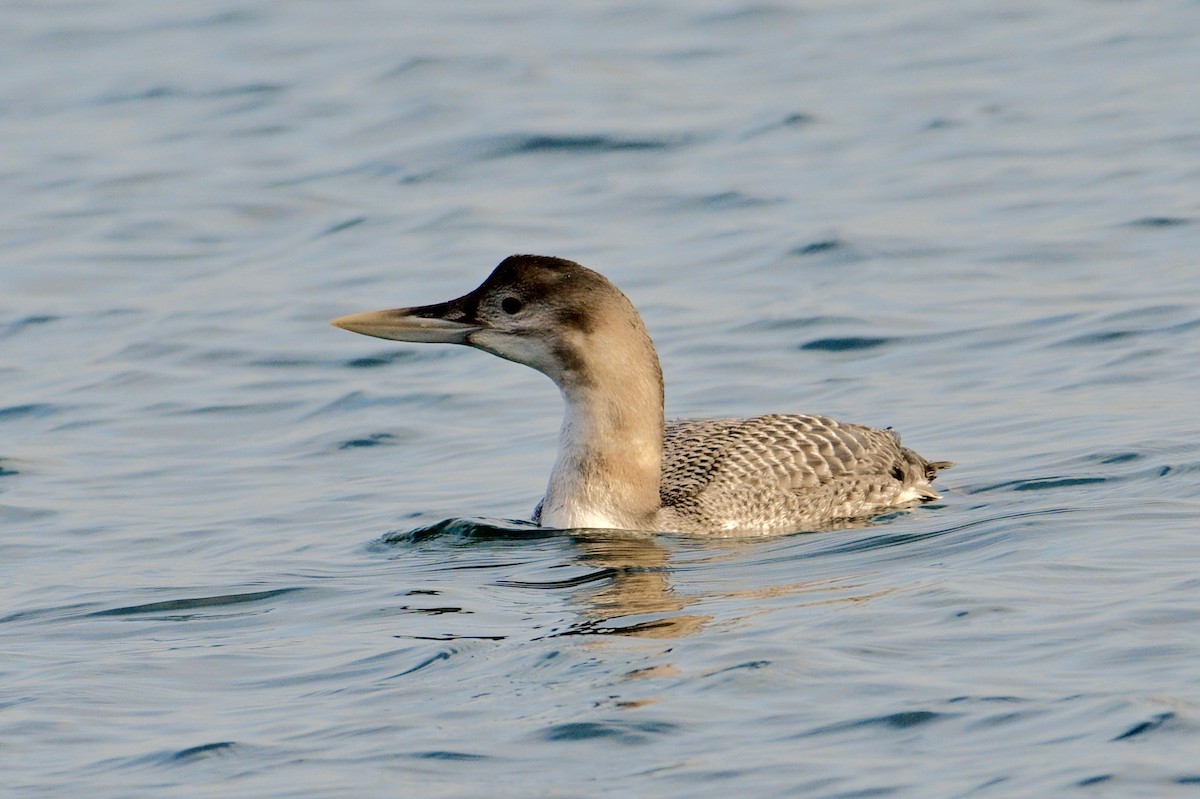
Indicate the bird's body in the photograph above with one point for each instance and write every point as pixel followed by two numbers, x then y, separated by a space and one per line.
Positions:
pixel 620 464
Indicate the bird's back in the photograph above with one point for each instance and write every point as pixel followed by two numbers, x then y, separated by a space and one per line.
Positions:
pixel 784 472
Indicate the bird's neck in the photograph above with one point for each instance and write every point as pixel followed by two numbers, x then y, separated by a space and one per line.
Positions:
pixel 610 449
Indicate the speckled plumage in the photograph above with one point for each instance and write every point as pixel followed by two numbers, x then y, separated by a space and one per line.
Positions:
pixel 785 471
pixel 619 464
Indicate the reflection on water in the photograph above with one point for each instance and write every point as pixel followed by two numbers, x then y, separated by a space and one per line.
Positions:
pixel 629 584
pixel 639 585
pixel 626 575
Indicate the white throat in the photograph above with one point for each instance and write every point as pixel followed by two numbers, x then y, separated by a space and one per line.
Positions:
pixel 609 463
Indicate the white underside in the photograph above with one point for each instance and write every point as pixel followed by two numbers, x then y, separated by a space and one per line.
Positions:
pixel 911 495
pixel 573 518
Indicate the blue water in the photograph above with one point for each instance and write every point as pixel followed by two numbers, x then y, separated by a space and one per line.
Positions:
pixel 244 554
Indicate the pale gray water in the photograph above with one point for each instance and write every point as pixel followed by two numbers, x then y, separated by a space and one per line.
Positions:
pixel 222 568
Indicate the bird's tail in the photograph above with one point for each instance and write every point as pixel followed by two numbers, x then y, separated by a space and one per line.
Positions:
pixel 933 467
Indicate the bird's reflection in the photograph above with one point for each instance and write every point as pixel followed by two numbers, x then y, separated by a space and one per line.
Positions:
pixel 640 585
pixel 627 586
pixel 637 582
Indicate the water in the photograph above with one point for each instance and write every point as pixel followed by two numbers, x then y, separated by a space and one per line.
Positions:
pixel 245 554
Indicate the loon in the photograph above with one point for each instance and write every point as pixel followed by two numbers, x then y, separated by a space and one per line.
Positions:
pixel 620 465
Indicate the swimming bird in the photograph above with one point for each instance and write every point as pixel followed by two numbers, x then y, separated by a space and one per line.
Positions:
pixel 620 464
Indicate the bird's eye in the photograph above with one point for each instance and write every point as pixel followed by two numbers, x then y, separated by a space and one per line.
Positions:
pixel 510 305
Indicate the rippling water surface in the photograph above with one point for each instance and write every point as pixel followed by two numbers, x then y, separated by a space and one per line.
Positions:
pixel 245 554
